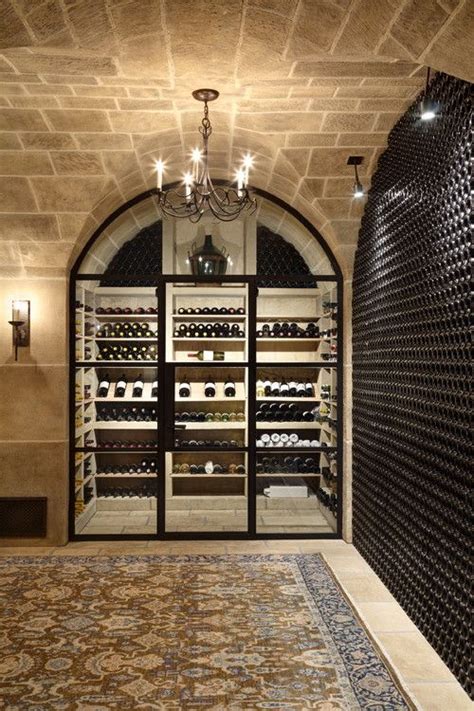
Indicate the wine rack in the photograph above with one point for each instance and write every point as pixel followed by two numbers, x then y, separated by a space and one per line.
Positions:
pixel 412 373
pixel 202 417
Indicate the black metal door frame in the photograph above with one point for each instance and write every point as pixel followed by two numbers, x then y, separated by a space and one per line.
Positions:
pixel 166 406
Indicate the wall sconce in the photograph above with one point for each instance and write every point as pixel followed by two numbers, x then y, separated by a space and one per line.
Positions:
pixel 358 190
pixel 20 324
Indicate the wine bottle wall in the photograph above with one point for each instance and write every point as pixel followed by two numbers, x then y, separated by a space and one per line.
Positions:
pixel 412 373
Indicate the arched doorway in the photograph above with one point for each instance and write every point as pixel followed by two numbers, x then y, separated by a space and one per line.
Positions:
pixel 205 406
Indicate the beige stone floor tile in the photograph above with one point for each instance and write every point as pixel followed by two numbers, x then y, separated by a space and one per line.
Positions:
pixel 26 550
pixel 283 546
pixel 385 617
pixel 336 547
pixel 441 697
pixel 364 588
pixel 414 657
pixel 197 547
pixel 247 547
pixel 116 547
pixel 350 563
pixel 90 550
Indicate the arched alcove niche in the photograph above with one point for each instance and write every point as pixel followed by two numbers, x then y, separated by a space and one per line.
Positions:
pixel 137 219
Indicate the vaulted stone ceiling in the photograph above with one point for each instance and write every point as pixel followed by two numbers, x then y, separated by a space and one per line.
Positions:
pixel 91 91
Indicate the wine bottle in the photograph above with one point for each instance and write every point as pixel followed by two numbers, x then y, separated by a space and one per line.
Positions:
pixel 260 388
pixel 121 386
pixel 184 388
pixel 138 387
pixel 210 388
pixel 229 388
pixel 207 355
pixel 267 385
pixel 284 389
pixel 104 385
pixel 154 388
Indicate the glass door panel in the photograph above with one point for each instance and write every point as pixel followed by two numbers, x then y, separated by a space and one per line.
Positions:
pixel 116 409
pixel 207 465
pixel 296 409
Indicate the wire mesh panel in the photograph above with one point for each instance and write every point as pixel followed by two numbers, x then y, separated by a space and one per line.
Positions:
pixel 412 371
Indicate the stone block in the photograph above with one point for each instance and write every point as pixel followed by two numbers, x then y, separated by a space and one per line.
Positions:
pixel 87 102
pixel 354 69
pixel 9 142
pixel 46 20
pixel 366 26
pixel 21 120
pixel 98 91
pixel 70 226
pixel 315 27
pixel 142 121
pixel 335 208
pixel 104 141
pixel 25 163
pixel 145 105
pixel 362 139
pixel 135 19
pixel 58 63
pixel 44 89
pixel 13 32
pixel 333 161
pixel 77 163
pixel 85 120
pixel 47 141
pixel 11 89
pixel 34 102
pixel 16 195
pixel 348 122
pixel 28 228
pixel 280 122
pixel 311 140
pixel 314 187
pixel 346 231
pixel 417 24
pixel 386 121
pixel 73 195
pixel 145 58
pixel 92 27
pixel 51 255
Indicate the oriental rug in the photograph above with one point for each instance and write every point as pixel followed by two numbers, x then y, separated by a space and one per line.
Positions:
pixel 185 632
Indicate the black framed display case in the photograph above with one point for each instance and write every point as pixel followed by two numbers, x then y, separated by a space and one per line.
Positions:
pixel 256 453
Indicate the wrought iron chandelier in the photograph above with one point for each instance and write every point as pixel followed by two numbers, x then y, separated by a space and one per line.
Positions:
pixel 198 195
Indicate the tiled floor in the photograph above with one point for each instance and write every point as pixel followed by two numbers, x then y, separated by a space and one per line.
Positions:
pixel 425 676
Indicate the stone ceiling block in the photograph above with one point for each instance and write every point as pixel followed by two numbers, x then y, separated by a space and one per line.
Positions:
pixel 77 163
pixel 25 61
pixel 417 24
pixel 84 120
pixel 47 141
pixel 56 194
pixel 25 163
pixel 46 21
pixel 21 120
pixel 315 27
pixel 348 122
pixel 16 195
pixel 333 161
pixel 25 228
pixel 366 26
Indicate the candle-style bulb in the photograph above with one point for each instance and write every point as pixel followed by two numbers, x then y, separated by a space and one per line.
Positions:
pixel 159 166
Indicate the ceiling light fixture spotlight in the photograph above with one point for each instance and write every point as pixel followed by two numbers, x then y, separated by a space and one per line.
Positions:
pixel 198 195
pixel 428 107
pixel 358 190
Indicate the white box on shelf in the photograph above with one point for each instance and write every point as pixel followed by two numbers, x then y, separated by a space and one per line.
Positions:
pixel 286 492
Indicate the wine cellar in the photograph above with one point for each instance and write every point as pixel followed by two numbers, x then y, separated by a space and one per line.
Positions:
pixel 206 406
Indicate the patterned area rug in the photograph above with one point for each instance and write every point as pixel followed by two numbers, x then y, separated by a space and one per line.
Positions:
pixel 184 632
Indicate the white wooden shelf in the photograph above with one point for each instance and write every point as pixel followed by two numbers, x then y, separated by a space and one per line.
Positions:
pixel 205 339
pixel 295 293
pixel 211 318
pixel 283 474
pixel 131 475
pixel 208 476
pixel 128 397
pixel 212 425
pixel 125 317
pixel 290 399
pixel 125 425
pixel 129 340
pixel 290 425
pixel 302 340
pixel 203 290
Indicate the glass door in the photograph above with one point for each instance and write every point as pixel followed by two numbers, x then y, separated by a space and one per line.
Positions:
pixel 206 459
pixel 115 429
pixel 296 408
